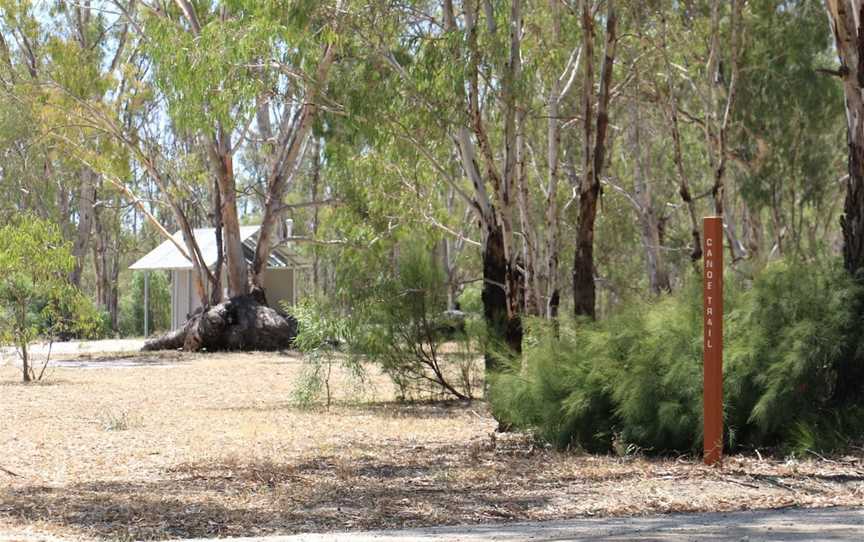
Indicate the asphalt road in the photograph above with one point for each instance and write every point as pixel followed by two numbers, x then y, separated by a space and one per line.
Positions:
pixel 825 524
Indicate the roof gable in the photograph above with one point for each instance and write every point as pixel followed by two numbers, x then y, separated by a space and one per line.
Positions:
pixel 166 255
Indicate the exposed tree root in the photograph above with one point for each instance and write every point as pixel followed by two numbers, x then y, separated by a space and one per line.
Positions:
pixel 241 323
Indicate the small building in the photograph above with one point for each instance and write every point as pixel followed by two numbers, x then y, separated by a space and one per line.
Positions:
pixel 285 279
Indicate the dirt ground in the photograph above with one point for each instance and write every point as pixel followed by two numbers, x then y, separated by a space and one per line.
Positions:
pixel 211 445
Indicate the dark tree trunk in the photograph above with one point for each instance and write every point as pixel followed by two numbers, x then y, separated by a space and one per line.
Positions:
pixel 240 323
pixel 25 363
pixel 849 41
pixel 584 294
pixel 852 220
pixel 502 324
pixel 114 293
pixel 554 303
pixel 216 220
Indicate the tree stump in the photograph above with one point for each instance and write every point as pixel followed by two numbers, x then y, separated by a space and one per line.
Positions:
pixel 240 323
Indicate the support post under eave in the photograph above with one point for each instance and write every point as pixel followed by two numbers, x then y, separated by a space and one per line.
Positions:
pixel 146 303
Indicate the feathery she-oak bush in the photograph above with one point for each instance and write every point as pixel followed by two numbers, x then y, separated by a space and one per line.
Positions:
pixel 794 370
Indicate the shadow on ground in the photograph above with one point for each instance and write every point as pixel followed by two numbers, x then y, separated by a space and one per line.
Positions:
pixel 385 485
pixel 255 498
pixel 383 409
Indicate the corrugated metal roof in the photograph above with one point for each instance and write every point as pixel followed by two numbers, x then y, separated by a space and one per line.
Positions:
pixel 166 255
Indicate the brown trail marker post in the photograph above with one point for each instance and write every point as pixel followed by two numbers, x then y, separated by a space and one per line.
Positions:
pixel 712 297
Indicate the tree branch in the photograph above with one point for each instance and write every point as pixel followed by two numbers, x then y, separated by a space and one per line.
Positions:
pixel 189 12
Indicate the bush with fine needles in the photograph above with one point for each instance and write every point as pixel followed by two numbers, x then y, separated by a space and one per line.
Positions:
pixel 794 370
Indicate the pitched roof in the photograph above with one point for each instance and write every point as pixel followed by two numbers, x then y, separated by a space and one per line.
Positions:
pixel 166 255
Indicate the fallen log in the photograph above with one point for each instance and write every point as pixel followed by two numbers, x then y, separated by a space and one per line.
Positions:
pixel 240 323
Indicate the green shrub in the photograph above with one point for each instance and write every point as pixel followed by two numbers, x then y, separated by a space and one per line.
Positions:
pixel 393 316
pixel 561 390
pixel 36 299
pixel 321 332
pixel 656 355
pixel 795 363
pixel 407 328
pixel 794 370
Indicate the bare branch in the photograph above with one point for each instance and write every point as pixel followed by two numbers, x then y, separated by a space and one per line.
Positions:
pixel 189 12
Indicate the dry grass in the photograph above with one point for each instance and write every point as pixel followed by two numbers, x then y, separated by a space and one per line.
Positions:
pixel 210 446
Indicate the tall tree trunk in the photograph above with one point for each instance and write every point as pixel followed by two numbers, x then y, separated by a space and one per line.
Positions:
pixel 316 180
pixel 100 259
pixel 216 290
pixel 658 277
pixel 235 261
pixel 552 241
pixel 678 158
pixel 496 305
pixel 86 202
pixel 106 259
pixel 848 28
pixel 531 260
pixel 501 287
pixel 25 363
pixel 500 283
pixel 507 195
pixel 552 249
pixel 114 287
pixel 291 144
pixel 849 38
pixel 594 156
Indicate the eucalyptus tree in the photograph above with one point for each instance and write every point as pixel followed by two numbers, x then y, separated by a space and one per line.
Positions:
pixel 451 93
pixel 180 105
pixel 63 54
pixel 118 134
pixel 789 151
pixel 36 299
pixel 485 87
pixel 237 63
pixel 594 139
pixel 845 19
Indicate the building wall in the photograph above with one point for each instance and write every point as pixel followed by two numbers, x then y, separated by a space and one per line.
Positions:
pixel 183 299
pixel 279 287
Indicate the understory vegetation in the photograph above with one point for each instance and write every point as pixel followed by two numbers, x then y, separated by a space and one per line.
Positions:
pixel 36 302
pixel 633 382
pixel 131 318
pixel 399 323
